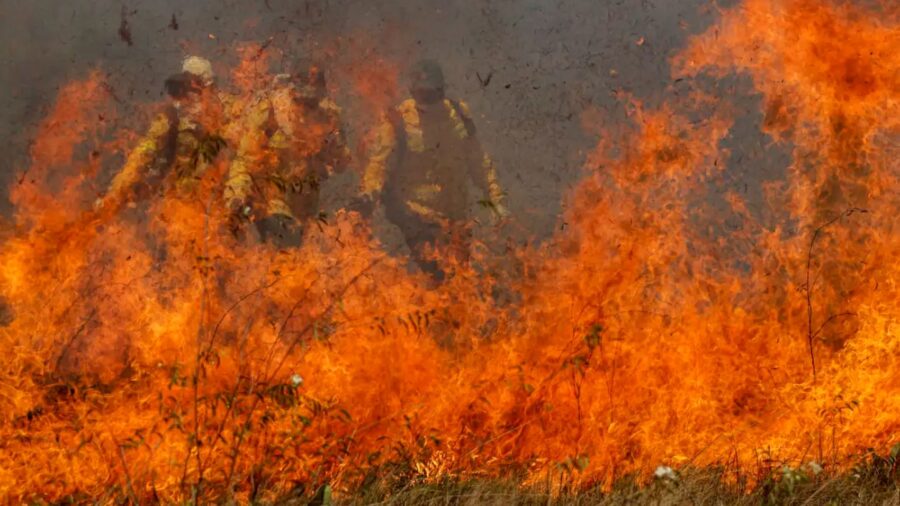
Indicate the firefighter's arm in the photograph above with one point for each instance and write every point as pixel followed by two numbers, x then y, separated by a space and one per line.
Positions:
pixel 383 144
pixel 233 117
pixel 238 184
pixel 137 162
pixel 340 153
pixel 237 180
pixel 251 147
pixel 337 153
pixel 482 169
pixel 491 186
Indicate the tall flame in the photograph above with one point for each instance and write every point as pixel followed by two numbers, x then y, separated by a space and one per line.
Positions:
pixel 153 357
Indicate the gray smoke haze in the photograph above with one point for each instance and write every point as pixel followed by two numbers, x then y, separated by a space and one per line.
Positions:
pixel 548 61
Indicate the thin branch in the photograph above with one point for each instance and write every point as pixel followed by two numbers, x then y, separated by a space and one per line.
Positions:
pixel 234 306
pixel 339 297
pixel 829 320
pixel 810 335
pixel 204 303
pixel 71 341
pixel 131 493
pixel 268 377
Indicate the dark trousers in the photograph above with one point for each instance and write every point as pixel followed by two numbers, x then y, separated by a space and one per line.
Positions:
pixel 452 238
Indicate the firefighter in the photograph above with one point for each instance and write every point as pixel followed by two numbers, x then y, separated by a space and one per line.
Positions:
pixel 424 154
pixel 292 143
pixel 180 142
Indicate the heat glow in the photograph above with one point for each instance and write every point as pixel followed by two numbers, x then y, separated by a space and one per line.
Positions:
pixel 632 338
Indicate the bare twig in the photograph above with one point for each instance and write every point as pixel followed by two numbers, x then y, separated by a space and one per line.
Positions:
pixel 134 498
pixel 829 320
pixel 810 335
pixel 262 48
pixel 194 439
pixel 268 377
pixel 71 341
pixel 234 306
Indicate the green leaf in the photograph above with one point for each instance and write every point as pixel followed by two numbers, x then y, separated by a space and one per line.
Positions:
pixel 582 462
pixel 322 497
pixel 592 338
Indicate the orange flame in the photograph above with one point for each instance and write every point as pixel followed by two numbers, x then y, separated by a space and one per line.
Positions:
pixel 169 361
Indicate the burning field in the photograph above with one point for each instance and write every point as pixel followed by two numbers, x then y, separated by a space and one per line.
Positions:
pixel 150 355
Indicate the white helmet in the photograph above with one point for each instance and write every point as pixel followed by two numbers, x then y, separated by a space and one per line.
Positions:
pixel 200 67
pixel 281 80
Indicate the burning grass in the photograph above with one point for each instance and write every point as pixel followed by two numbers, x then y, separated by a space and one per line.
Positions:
pixel 706 486
pixel 872 481
pixel 154 358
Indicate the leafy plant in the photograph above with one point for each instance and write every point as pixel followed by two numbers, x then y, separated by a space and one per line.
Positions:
pixel 210 146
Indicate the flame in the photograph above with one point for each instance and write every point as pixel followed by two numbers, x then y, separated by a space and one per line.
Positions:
pixel 160 359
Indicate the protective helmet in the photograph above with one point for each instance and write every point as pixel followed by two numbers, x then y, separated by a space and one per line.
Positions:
pixel 309 80
pixel 282 80
pixel 180 85
pixel 427 75
pixel 200 67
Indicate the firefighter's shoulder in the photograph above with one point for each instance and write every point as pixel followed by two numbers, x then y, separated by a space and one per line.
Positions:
pixel 408 111
pixel 408 106
pixel 260 108
pixel 161 123
pixel 458 107
pixel 464 109
pixel 459 115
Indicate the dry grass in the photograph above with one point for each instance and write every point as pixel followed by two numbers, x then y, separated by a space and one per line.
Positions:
pixel 865 485
pixel 693 491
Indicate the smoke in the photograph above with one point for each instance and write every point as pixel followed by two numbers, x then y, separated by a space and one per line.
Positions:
pixel 641 337
pixel 529 69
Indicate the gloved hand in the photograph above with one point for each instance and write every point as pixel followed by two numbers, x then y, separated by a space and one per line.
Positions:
pixel 240 212
pixel 240 209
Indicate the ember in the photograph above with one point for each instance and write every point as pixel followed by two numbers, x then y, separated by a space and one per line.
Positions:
pixel 198 330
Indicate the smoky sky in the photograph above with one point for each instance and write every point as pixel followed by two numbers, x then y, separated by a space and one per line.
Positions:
pixel 547 62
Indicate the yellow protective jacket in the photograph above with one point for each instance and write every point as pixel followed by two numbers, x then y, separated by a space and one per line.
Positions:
pixel 285 152
pixel 170 150
pixel 422 158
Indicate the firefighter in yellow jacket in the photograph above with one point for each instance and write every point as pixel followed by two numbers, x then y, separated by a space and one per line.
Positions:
pixel 424 155
pixel 292 142
pixel 180 143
